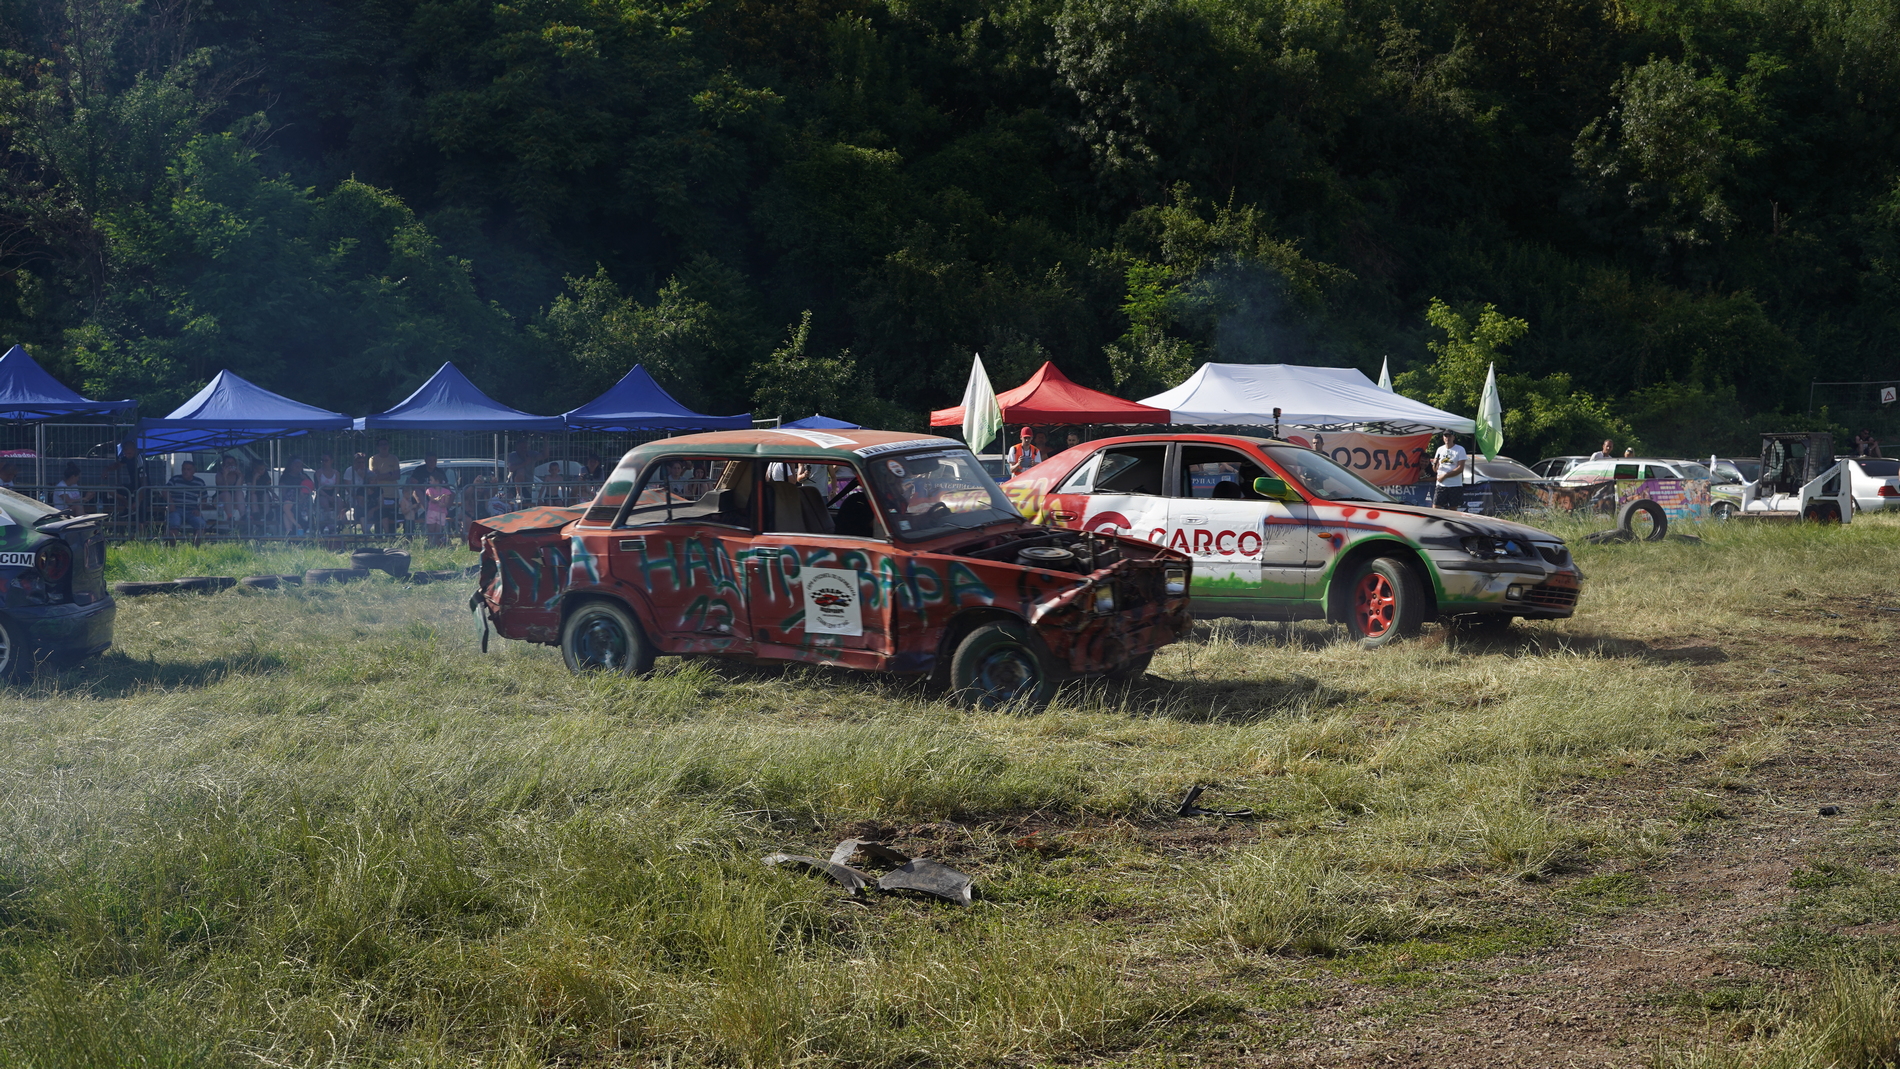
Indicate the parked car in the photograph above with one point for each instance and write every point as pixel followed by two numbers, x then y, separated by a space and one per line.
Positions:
pixel 1279 531
pixel 1735 469
pixel 1874 483
pixel 1502 485
pixel 1556 467
pixel 52 568
pixel 1596 471
pixel 916 563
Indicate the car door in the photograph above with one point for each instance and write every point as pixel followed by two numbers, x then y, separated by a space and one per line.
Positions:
pixel 1251 554
pixel 679 544
pixel 814 593
pixel 1121 490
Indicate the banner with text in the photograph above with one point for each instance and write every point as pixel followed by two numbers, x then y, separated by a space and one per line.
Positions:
pixel 1380 459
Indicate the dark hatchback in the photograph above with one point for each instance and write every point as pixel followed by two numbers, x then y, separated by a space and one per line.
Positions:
pixel 52 574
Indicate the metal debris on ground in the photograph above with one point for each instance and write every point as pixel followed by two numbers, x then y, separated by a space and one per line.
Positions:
pixel 1189 809
pixel 844 876
pixel 919 874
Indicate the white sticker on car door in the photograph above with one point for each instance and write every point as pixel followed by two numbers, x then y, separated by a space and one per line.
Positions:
pixel 832 606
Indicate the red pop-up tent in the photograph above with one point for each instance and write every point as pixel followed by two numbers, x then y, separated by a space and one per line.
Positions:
pixel 1049 397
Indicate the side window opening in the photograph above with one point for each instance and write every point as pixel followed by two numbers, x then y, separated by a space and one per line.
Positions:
pixel 1135 469
pixel 1625 471
pixel 1082 479
pixel 803 497
pixel 694 490
pixel 1215 473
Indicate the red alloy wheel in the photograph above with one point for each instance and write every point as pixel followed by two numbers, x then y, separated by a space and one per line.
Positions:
pixel 1374 605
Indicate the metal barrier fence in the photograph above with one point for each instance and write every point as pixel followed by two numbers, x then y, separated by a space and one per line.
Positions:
pixel 335 515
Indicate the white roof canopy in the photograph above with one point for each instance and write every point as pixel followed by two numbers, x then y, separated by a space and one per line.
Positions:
pixel 1245 395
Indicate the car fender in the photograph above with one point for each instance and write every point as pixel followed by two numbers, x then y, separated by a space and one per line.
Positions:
pixel 1365 549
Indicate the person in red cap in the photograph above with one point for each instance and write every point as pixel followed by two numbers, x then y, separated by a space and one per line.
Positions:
pixel 1024 454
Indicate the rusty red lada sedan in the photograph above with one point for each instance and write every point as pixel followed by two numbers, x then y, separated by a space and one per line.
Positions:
pixel 862 549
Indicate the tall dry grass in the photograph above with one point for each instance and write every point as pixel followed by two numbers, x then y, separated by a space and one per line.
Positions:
pixel 318 826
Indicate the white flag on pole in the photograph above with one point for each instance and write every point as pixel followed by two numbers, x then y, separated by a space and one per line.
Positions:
pixel 1385 374
pixel 1490 417
pixel 982 418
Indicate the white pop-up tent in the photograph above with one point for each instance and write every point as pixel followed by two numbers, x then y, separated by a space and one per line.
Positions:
pixel 1245 395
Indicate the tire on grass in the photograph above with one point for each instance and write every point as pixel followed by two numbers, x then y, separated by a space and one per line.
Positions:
pixel 130 589
pixel 260 582
pixel 603 636
pixel 1385 603
pixel 1658 519
pixel 1000 663
pixel 334 575
pixel 16 657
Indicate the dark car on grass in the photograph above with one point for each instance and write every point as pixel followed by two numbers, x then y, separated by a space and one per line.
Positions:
pixel 860 549
pixel 52 569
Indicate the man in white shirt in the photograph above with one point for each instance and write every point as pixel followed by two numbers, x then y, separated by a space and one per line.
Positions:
pixel 1606 453
pixel 1448 467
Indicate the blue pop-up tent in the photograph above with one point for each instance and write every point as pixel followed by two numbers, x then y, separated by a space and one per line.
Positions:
pixel 231 411
pixel 636 403
pixel 449 402
pixel 29 394
pixel 820 423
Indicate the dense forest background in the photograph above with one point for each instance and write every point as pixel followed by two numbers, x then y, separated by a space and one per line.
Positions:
pixel 1665 217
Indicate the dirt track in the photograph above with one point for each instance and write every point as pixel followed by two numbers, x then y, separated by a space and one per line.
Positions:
pixel 1616 989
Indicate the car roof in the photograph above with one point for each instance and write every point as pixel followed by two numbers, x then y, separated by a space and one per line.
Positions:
pixel 840 445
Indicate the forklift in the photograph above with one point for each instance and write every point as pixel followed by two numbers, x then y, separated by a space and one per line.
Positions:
pixel 1800 480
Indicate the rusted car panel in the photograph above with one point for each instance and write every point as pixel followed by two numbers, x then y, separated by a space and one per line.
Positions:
pixel 683 534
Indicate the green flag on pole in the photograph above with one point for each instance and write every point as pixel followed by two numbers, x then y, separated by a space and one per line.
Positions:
pixel 1490 417
pixel 982 418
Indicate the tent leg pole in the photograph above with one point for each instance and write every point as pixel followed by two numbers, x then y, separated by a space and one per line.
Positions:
pixel 39 454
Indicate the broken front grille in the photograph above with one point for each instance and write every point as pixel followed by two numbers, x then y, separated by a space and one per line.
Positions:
pixel 1556 593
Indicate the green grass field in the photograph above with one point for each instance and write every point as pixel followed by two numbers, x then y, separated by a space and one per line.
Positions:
pixel 320 827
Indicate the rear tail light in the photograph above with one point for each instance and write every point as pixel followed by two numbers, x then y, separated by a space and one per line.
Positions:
pixel 55 562
pixel 1888 490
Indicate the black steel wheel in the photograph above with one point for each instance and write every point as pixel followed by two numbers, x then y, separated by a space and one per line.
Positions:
pixel 1002 663
pixel 602 636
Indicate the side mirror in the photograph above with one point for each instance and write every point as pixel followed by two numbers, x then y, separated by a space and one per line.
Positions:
pixel 1274 489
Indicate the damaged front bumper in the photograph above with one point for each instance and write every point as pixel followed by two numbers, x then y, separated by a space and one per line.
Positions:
pixel 1536 590
pixel 1123 613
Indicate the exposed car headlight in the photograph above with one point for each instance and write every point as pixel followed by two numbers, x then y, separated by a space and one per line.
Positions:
pixel 1104 598
pixel 1485 547
pixel 1517 592
pixel 1176 581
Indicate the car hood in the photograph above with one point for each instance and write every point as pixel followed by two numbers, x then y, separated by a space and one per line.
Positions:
pixel 1471 524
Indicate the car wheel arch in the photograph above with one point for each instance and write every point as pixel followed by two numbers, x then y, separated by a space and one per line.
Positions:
pixel 958 628
pixel 1349 562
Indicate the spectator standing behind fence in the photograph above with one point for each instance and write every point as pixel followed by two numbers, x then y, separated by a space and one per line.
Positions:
pixel 66 493
pixel 294 489
pixel 226 502
pixel 414 503
pixel 259 513
pixel 523 459
pixel 8 473
pixel 594 473
pixel 327 504
pixel 473 504
pixel 379 472
pixel 127 473
pixel 184 509
pixel 552 492
pixel 435 512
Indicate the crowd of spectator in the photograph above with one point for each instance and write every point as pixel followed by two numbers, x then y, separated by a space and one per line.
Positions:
pixel 377 493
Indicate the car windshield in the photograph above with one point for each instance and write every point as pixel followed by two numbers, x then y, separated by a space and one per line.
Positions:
pixel 1321 476
pixel 926 494
pixel 1880 469
pixel 1689 469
